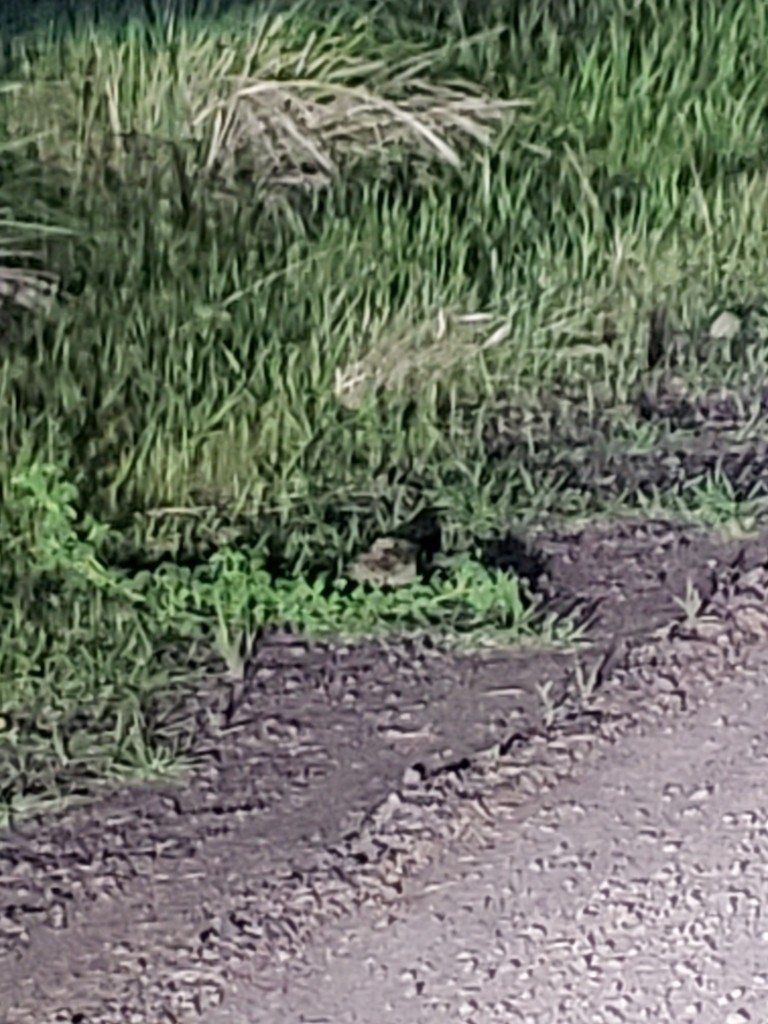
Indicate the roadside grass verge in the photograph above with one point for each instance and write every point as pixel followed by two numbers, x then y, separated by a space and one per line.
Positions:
pixel 309 274
pixel 88 649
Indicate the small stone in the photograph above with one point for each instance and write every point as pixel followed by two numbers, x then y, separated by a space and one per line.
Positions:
pixel 724 327
pixel 412 778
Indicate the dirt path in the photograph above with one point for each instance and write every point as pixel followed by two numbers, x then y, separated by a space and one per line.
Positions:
pixel 636 892
pixel 389 833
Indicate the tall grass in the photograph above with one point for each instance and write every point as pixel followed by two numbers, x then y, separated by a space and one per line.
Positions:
pixel 229 305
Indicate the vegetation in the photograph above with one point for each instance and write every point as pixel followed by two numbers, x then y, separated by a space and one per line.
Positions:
pixel 278 285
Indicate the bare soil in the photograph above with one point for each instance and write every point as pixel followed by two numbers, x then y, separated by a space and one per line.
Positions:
pixel 332 780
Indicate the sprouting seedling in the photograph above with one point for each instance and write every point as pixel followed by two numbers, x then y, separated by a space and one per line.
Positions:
pixel 549 708
pixel 237 647
pixel 587 682
pixel 691 603
pixel 231 649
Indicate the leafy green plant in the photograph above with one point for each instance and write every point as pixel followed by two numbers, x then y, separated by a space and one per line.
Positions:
pixel 46 536
pixel 82 642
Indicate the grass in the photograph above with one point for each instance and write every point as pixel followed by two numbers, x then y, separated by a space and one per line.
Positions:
pixel 278 285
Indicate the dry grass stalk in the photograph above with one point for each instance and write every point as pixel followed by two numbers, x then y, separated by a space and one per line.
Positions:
pixel 280 128
pixel 413 356
pixel 27 289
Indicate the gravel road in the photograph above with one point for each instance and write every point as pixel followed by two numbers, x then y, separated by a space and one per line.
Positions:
pixel 636 890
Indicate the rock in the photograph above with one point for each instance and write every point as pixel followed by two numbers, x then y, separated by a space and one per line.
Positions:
pixel 724 327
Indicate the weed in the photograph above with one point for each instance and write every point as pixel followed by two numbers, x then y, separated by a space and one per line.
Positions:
pixel 691 604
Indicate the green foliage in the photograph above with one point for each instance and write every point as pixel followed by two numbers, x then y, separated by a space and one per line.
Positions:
pixel 85 646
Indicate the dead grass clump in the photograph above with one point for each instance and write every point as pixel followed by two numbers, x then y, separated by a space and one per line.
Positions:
pixel 300 131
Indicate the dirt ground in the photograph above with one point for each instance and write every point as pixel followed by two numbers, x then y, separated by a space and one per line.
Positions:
pixel 387 832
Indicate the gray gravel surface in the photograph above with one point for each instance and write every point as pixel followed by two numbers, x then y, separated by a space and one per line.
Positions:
pixel 634 890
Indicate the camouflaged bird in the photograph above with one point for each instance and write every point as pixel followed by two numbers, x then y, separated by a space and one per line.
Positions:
pixel 390 562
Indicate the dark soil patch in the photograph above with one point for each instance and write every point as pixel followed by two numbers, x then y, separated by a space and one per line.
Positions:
pixel 629 579
pixel 723 434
